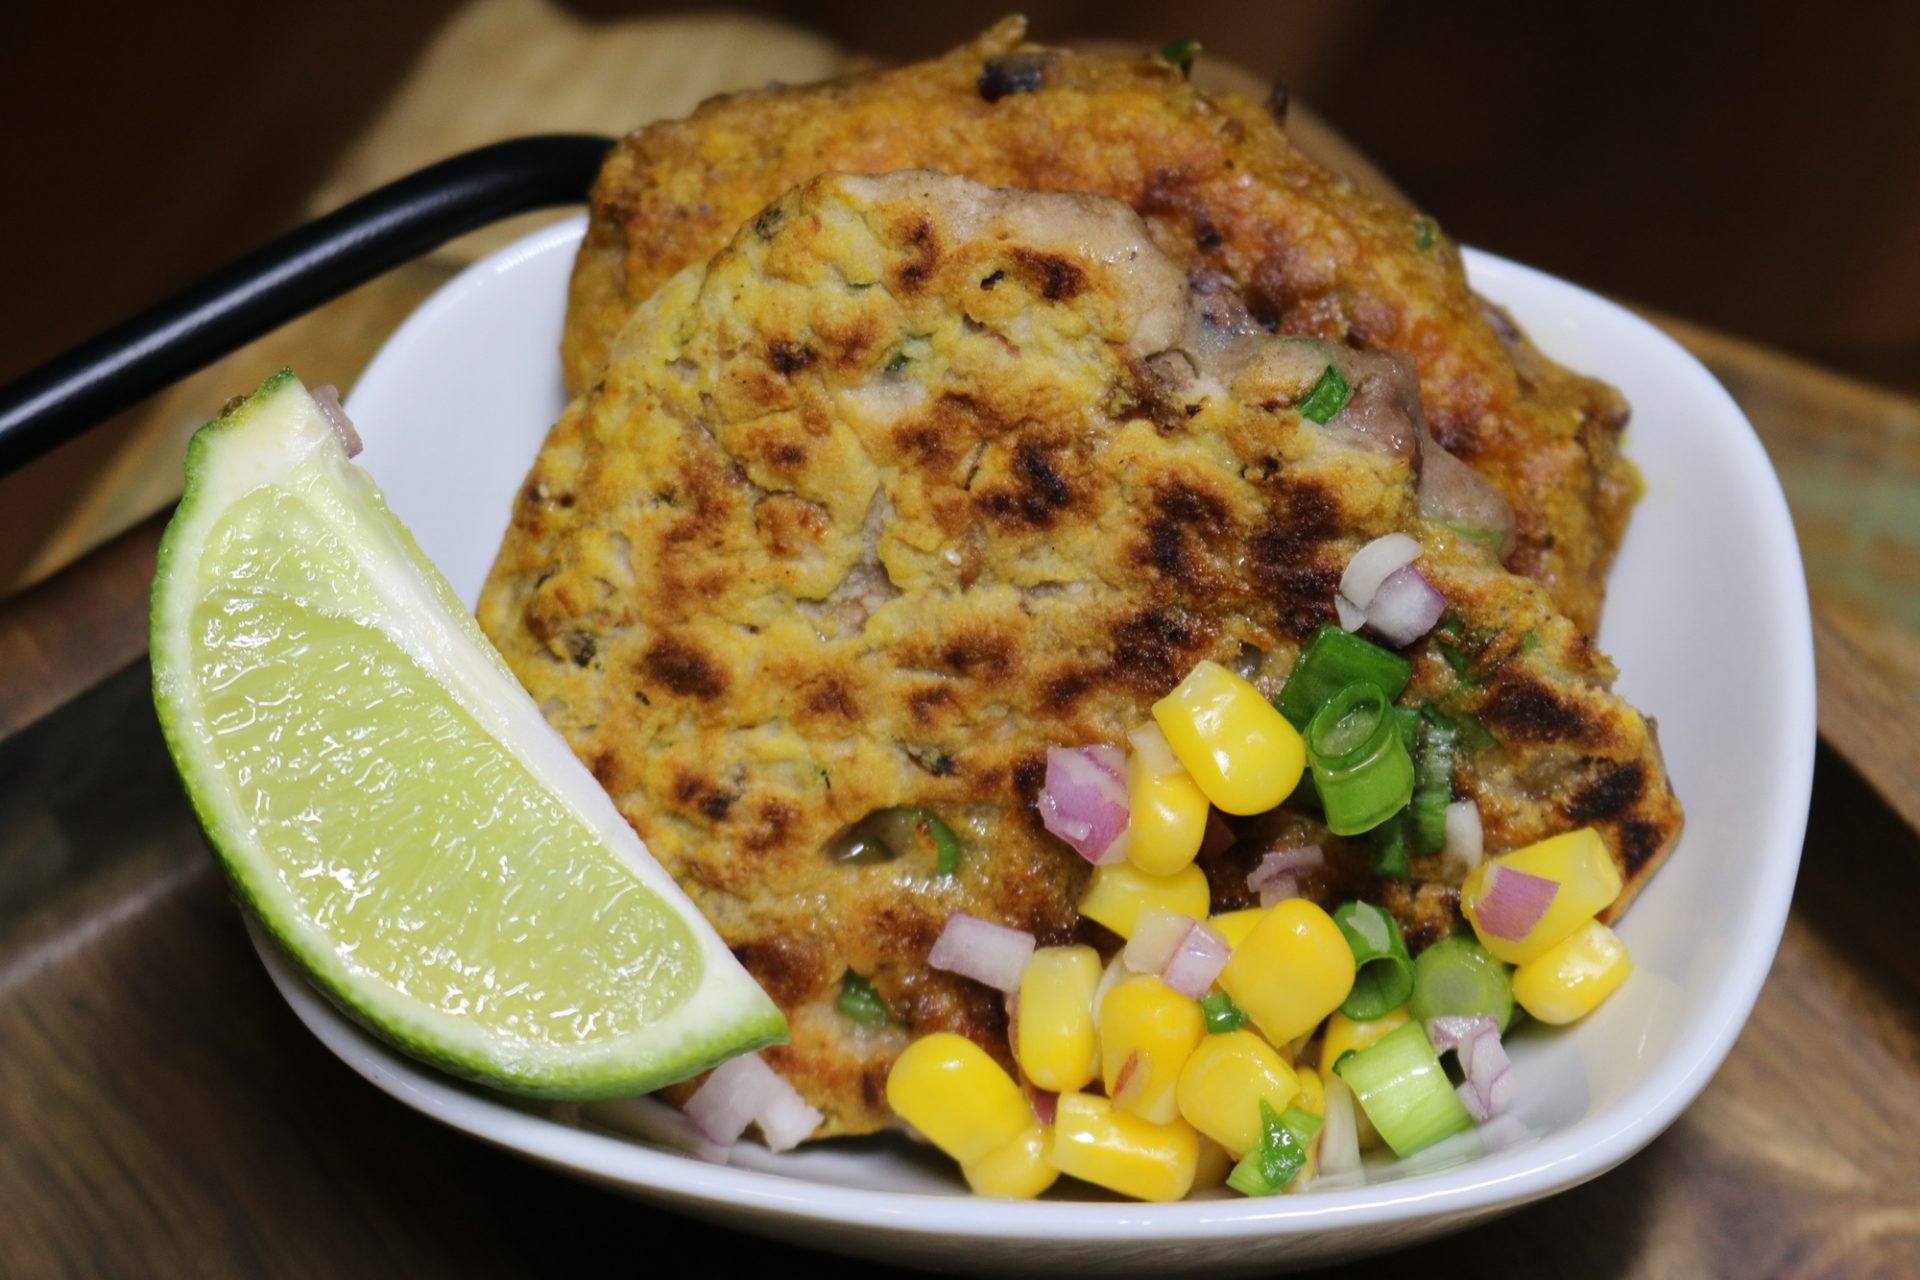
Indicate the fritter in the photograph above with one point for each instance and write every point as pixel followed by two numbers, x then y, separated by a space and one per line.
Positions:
pixel 1226 197
pixel 918 478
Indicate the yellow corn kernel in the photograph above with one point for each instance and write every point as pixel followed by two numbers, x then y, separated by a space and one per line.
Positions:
pixel 1098 1143
pixel 1313 1092
pixel 1240 751
pixel 1018 1171
pixel 1224 1082
pixel 1234 926
pixel 1588 881
pixel 1168 813
pixel 1147 1032
pixel 1344 1034
pixel 964 1102
pixel 1568 980
pixel 1213 1166
pixel 1293 970
pixel 1120 891
pixel 1055 1039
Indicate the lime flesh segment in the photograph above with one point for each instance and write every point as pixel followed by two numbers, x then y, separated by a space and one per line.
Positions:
pixel 391 803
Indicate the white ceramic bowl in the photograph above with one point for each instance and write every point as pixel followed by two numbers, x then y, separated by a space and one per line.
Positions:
pixel 1707 618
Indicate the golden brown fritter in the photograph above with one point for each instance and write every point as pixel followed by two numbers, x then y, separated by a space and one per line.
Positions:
pixel 1224 195
pixel 917 479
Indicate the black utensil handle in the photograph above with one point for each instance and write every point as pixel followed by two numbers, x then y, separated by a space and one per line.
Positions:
pixel 292 275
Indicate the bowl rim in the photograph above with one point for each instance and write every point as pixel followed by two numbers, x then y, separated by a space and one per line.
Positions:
pixel 1497 1181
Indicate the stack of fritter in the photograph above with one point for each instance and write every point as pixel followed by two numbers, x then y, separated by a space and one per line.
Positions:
pixel 917 478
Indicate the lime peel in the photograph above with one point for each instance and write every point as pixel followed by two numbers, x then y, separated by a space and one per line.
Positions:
pixel 390 803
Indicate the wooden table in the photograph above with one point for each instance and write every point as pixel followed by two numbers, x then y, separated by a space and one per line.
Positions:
pixel 162 1113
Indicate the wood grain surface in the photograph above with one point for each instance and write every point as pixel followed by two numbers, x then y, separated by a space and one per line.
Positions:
pixel 162 1113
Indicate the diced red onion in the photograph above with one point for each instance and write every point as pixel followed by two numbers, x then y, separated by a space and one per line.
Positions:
pixel 1373 564
pixel 745 1090
pixel 1046 1104
pixel 1340 1135
pixel 1488 1088
pixel 1352 616
pixel 1185 953
pixel 1115 971
pixel 328 398
pixel 1465 847
pixel 787 1121
pixel 1084 801
pixel 1405 607
pixel 1156 937
pixel 1278 864
pixel 1201 956
pixel 982 950
pixel 1502 1132
pixel 1278 890
pixel 1513 902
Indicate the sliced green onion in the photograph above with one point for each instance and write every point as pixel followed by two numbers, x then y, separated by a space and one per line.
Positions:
pixel 1181 54
pixel 1222 1014
pixel 1407 721
pixel 946 845
pixel 1426 233
pixel 1433 783
pixel 1360 764
pixel 1328 397
pixel 1390 847
pixel 1332 660
pixel 1402 1087
pixel 1281 1153
pixel 859 1001
pixel 1458 976
pixel 1385 972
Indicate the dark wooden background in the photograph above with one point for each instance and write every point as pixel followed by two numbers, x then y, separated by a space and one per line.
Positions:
pixel 1753 168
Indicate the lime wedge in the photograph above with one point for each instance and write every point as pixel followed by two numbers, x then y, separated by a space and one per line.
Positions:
pixel 391 804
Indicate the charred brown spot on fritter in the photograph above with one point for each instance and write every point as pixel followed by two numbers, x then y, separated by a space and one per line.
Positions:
pixel 931 704
pixel 789 357
pixel 1040 492
pixel 774 820
pixel 1616 789
pixel 912 275
pixel 1060 691
pixel 1640 843
pixel 1053 277
pixel 684 669
pixel 1523 709
pixel 873 1083
pixel 1155 648
pixel 1185 515
pixel 1286 557
pixel 1145 394
pixel 788 965
pixel 832 696
pixel 980 653
pixel 849 346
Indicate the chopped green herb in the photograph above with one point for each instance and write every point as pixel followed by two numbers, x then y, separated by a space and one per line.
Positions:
pixel 1530 643
pixel 1281 1153
pixel 1470 735
pixel 946 845
pixel 1328 397
pixel 859 1001
pixel 1222 1014
pixel 1426 233
pixel 1384 976
pixel 1181 54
